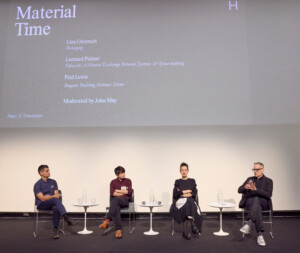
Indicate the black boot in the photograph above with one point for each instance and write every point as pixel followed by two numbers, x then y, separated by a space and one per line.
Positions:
pixel 69 220
pixel 195 230
pixel 55 234
pixel 186 235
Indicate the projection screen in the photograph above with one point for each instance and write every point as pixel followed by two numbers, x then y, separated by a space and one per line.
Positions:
pixel 149 63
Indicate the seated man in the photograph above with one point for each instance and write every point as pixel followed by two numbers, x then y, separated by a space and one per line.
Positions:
pixel 257 193
pixel 47 198
pixel 120 193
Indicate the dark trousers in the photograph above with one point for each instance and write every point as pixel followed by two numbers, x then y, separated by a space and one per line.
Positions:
pixel 114 210
pixel 56 206
pixel 255 206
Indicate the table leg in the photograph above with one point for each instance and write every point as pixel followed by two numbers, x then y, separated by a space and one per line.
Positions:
pixel 221 232
pixel 151 232
pixel 85 231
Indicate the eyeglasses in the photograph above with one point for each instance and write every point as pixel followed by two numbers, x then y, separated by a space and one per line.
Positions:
pixel 256 170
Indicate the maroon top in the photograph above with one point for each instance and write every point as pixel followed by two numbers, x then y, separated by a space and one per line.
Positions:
pixel 117 184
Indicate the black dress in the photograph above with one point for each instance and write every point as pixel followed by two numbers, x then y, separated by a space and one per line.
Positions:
pixel 190 208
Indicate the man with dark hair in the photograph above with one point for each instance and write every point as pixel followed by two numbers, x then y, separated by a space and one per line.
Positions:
pixel 257 193
pixel 47 198
pixel 120 193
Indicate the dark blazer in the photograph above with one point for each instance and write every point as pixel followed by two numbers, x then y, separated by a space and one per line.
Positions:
pixel 190 184
pixel 265 191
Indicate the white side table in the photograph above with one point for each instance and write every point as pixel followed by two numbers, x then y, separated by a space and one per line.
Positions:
pixel 151 205
pixel 85 206
pixel 221 206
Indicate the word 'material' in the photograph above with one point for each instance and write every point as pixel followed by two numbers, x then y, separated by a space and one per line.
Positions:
pixel 25 29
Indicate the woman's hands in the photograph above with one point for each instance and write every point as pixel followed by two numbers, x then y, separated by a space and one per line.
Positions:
pixel 186 193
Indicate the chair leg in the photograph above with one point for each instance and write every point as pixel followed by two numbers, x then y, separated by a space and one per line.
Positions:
pixel 109 227
pixel 270 221
pixel 129 221
pixel 133 221
pixel 36 226
pixel 173 227
pixel 271 228
pixel 243 221
pixel 62 227
pixel 36 222
pixel 63 223
pixel 106 230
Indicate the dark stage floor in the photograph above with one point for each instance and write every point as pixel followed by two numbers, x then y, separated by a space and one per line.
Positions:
pixel 16 236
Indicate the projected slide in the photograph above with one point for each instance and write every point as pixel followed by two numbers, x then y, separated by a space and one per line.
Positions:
pixel 148 63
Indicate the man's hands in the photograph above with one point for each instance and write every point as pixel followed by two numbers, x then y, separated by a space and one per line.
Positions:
pixel 47 197
pixel 119 193
pixel 55 196
pixel 250 186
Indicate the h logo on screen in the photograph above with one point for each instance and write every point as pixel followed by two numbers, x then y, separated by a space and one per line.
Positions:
pixel 233 5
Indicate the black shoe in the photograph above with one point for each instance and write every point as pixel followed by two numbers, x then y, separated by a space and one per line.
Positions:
pixel 55 233
pixel 186 235
pixel 70 221
pixel 195 230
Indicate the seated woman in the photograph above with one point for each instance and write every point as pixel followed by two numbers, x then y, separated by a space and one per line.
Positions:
pixel 184 208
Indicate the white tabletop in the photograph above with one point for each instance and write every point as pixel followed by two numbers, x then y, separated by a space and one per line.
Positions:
pixel 86 204
pixel 151 204
pixel 221 205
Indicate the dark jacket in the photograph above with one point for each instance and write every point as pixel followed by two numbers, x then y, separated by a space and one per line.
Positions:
pixel 264 191
pixel 181 185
